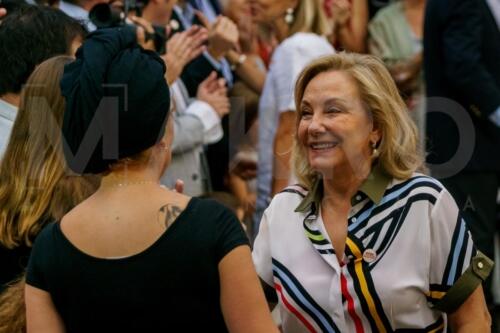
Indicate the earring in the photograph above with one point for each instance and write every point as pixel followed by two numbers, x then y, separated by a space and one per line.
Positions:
pixel 375 152
pixel 289 17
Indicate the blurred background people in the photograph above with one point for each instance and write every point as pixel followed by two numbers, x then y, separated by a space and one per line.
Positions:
pixel 396 37
pixel 29 36
pixel 462 77
pixel 79 10
pixel 349 20
pixel 300 28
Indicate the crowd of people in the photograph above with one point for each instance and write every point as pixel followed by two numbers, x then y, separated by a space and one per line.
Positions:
pixel 249 165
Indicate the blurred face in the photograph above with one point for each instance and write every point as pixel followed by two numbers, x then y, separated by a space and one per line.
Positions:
pixel 268 11
pixel 236 9
pixel 334 128
pixel 166 12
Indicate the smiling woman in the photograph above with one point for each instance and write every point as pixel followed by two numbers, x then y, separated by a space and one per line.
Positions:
pixel 387 243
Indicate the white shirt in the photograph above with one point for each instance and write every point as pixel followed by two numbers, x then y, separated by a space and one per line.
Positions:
pixel 406 247
pixel 211 121
pixel 78 13
pixel 288 60
pixel 8 114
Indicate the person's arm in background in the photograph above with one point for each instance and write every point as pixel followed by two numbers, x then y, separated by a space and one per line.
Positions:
pixel 283 143
pixel 462 39
pixel 350 24
pixel 247 70
pixel 195 126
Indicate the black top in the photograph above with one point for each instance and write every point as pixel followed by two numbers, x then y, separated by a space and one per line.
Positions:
pixel 172 286
pixel 13 262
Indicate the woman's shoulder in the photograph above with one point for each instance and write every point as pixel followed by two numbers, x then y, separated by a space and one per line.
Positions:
pixel 286 201
pixel 416 183
pixel 307 40
pixel 304 44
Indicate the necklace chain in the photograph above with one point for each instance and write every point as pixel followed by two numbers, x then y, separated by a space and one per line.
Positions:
pixel 142 182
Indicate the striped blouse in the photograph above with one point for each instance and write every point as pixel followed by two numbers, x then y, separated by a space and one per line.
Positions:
pixel 406 247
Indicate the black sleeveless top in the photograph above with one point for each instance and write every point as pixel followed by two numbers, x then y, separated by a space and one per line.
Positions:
pixel 172 286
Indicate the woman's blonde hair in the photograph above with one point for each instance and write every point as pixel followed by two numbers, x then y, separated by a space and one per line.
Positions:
pixel 400 154
pixel 309 16
pixel 35 184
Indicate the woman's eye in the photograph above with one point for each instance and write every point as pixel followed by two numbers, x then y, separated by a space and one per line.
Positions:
pixel 333 110
pixel 306 115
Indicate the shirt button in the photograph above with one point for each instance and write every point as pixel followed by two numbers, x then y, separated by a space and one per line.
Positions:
pixel 480 265
pixel 358 197
pixel 194 177
pixel 353 219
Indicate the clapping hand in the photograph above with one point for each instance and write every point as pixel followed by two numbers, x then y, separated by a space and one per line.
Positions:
pixel 183 47
pixel 223 35
pixel 341 12
pixel 214 92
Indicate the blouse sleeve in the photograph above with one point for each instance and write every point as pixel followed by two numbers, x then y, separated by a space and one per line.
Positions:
pixel 261 253
pixel 36 272
pixel 452 277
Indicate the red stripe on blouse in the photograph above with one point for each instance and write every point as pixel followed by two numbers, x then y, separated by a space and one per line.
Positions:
pixel 293 310
pixel 350 305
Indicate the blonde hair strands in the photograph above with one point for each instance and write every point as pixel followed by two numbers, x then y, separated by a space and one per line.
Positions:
pixel 400 154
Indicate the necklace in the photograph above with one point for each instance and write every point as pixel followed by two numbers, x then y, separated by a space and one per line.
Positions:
pixel 123 184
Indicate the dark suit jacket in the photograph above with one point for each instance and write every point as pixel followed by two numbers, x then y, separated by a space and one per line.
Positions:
pixel 462 65
pixel 197 70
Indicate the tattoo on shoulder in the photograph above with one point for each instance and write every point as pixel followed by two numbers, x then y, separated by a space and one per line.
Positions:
pixel 168 213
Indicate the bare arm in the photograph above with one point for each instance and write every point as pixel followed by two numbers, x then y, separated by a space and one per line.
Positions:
pixel 41 314
pixel 472 316
pixel 283 143
pixel 248 71
pixel 242 299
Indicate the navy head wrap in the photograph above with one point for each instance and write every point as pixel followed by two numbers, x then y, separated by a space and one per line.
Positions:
pixel 117 101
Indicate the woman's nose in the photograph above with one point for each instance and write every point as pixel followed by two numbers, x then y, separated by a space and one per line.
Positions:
pixel 316 126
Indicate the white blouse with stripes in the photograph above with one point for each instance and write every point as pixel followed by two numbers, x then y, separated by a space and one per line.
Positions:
pixel 402 254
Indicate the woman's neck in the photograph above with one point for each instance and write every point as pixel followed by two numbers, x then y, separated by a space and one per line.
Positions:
pixel 130 176
pixel 342 184
pixel 282 29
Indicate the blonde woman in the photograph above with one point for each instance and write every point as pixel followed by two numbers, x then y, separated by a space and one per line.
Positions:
pixel 300 27
pixel 36 187
pixel 366 244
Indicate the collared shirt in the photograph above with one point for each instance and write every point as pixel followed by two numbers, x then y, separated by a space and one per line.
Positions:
pixel 406 247
pixel 8 114
pixel 288 60
pixel 78 13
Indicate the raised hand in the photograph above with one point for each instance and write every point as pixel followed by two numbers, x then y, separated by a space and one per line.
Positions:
pixel 214 92
pixel 223 35
pixel 341 12
pixel 145 33
pixel 183 47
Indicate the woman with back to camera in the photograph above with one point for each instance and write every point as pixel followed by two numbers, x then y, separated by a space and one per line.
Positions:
pixel 135 256
pixel 377 246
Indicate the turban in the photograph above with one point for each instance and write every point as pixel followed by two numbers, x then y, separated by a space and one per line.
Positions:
pixel 117 101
